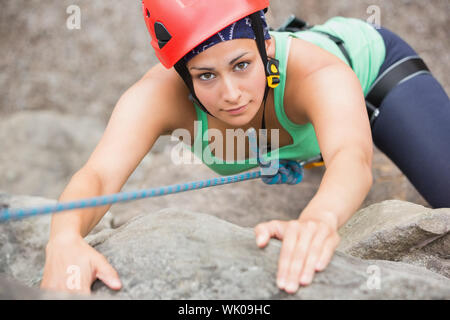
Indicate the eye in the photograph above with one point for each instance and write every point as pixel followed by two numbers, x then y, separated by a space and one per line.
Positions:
pixel 242 65
pixel 206 76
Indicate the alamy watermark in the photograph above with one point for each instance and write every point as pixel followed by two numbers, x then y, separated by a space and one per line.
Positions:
pixel 73 281
pixel 179 154
pixel 375 16
pixel 374 280
pixel 73 22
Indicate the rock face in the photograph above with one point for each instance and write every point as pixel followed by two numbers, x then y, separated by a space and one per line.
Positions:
pixel 400 231
pixel 42 150
pixel 14 290
pixel 174 254
pixel 180 254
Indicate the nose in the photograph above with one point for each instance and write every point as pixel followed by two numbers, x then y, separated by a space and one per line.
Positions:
pixel 231 92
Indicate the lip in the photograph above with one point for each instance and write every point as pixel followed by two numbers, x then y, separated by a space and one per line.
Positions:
pixel 237 110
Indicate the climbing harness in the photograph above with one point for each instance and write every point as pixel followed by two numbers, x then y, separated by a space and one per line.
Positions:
pixel 399 72
pixel 288 172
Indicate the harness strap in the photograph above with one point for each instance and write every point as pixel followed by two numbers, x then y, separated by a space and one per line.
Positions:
pixel 340 43
pixel 399 72
pixel 294 24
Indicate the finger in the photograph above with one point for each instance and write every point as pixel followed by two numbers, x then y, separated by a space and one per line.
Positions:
pixel 314 254
pixel 106 273
pixel 265 231
pixel 287 249
pixel 327 252
pixel 300 253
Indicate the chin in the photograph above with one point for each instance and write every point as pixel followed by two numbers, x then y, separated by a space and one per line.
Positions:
pixel 238 121
pixel 242 120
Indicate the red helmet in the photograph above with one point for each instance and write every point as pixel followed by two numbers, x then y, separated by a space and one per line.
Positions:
pixel 178 26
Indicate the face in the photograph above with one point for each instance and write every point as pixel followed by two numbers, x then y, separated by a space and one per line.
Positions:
pixel 230 75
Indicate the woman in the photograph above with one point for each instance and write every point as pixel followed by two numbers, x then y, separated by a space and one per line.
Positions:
pixel 298 83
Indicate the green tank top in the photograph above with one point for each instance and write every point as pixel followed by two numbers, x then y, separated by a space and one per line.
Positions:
pixel 367 52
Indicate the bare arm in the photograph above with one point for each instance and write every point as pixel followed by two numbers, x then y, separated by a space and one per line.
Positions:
pixel 137 121
pixel 146 111
pixel 333 101
pixel 337 111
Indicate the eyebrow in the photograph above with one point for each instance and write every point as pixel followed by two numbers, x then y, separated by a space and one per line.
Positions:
pixel 212 69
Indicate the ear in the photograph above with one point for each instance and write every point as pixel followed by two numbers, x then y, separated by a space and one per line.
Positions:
pixel 270 47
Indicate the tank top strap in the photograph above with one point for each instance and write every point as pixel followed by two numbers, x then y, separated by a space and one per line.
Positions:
pixel 282 46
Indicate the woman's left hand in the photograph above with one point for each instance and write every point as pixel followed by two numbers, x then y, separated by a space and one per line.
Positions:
pixel 308 246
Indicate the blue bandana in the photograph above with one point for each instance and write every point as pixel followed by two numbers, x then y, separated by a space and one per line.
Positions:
pixel 241 29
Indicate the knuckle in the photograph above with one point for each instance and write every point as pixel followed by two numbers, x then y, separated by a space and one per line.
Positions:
pixel 278 224
pixel 100 260
pixel 324 227
pixel 315 247
pixel 259 228
pixel 301 254
pixel 297 265
pixel 283 264
pixel 294 225
pixel 312 259
pixel 308 226
pixel 311 224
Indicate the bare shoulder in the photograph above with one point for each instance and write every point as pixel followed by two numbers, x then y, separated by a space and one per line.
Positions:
pixel 306 61
pixel 171 94
pixel 306 58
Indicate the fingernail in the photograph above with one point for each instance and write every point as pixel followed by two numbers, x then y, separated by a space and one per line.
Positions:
pixel 260 240
pixel 115 283
pixel 306 279
pixel 292 287
pixel 281 283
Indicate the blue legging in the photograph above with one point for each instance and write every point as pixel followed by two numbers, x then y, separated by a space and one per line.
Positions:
pixel 413 128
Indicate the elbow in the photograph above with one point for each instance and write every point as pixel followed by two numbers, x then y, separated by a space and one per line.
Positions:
pixel 365 159
pixel 365 166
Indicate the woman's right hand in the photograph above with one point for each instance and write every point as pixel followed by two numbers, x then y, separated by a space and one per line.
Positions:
pixel 72 265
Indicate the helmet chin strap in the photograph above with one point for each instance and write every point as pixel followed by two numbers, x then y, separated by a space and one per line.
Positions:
pixel 271 66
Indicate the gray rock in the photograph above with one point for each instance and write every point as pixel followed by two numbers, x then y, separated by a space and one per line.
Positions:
pixel 400 231
pixel 42 150
pixel 177 254
pixel 15 290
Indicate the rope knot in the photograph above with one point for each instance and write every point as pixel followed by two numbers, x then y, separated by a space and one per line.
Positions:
pixel 289 172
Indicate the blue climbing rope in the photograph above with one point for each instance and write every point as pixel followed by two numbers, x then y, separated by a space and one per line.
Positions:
pixel 287 172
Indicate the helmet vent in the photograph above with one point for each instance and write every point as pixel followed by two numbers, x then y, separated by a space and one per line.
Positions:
pixel 162 34
pixel 147 13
